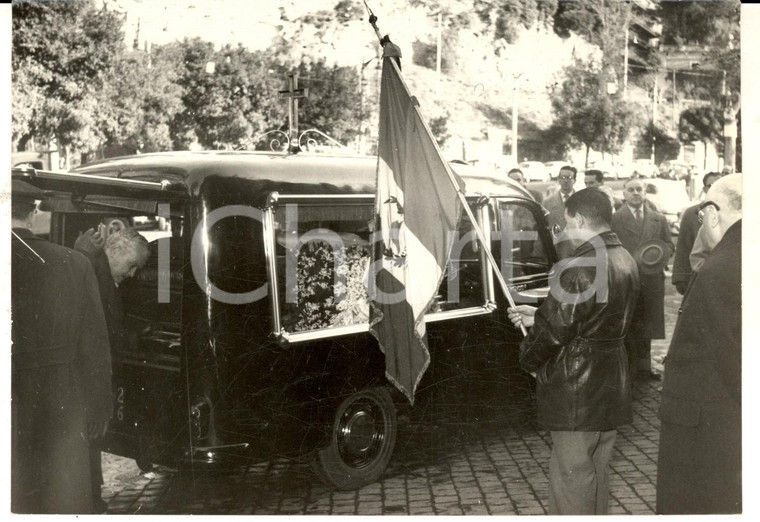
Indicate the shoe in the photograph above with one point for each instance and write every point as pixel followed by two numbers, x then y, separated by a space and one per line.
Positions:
pixel 648 376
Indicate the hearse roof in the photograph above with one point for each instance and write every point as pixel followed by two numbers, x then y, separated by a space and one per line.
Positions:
pixel 288 173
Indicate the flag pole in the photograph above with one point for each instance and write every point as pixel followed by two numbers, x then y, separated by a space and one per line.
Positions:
pixel 450 174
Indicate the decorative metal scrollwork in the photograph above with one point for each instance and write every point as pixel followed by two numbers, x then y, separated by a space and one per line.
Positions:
pixel 311 143
pixel 274 144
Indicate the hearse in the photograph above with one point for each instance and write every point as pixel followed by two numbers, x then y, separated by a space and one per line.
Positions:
pixel 247 331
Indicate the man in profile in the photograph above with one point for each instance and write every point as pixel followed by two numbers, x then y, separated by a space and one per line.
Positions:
pixel 687 235
pixel 575 348
pixel 60 369
pixel 699 468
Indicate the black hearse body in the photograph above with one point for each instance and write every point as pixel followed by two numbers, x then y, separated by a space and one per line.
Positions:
pixel 237 343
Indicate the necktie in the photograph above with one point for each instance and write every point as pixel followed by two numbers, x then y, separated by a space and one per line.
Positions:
pixel 638 215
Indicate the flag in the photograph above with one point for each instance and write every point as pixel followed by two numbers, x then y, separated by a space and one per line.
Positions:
pixel 417 213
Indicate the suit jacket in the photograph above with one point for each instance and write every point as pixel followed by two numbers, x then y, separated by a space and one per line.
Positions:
pixel 699 469
pixel 649 317
pixel 60 375
pixel 556 208
pixel 687 233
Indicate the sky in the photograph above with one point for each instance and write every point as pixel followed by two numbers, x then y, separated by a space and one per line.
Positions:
pixel 251 22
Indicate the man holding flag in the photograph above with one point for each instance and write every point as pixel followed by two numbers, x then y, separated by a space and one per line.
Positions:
pixel 575 349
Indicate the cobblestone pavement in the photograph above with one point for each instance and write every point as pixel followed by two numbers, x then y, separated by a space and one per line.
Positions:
pixel 448 461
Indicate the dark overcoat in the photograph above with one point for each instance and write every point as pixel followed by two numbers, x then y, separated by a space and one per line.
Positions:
pixel 60 375
pixel 649 316
pixel 699 465
pixel 687 233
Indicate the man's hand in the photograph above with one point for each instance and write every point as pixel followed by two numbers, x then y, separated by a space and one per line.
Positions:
pixel 96 430
pixel 522 314
pixel 90 241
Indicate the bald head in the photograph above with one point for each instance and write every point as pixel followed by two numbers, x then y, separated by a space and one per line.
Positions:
pixel 726 207
pixel 727 192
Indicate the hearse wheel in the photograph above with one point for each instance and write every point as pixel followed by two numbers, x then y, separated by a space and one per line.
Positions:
pixel 362 437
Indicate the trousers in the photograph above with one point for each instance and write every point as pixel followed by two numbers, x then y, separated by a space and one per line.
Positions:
pixel 579 472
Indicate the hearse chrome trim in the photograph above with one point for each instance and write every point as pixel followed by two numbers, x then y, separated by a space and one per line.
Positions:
pixel 335 331
pixel 484 221
pixel 323 333
pixel 271 258
pixel 462 312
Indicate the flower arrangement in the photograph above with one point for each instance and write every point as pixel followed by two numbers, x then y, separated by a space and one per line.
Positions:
pixel 322 301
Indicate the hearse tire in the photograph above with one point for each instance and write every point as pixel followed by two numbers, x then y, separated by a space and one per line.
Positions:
pixel 362 437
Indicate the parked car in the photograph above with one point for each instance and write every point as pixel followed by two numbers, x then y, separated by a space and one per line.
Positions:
pixel 670 198
pixel 645 168
pixel 674 169
pixel 610 171
pixel 554 167
pixel 534 171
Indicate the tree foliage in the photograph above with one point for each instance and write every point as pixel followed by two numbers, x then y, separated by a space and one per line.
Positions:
pixel 508 18
pixel 587 113
pixel 334 102
pixel 715 25
pixel 63 52
pixel 665 146
pixel 703 124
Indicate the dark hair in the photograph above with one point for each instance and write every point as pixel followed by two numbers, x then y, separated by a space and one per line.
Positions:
pixel 598 174
pixel 570 168
pixel 592 204
pixel 712 174
pixel 516 170
pixel 21 208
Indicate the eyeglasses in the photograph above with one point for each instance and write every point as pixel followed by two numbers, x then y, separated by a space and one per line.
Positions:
pixel 566 177
pixel 702 207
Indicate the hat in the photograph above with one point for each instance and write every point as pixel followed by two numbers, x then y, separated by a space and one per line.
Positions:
pixel 652 256
pixel 23 191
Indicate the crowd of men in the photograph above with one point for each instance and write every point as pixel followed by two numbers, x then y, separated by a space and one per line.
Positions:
pixel 589 340
pixel 66 321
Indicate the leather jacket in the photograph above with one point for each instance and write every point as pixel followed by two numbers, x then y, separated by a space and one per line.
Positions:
pixel 576 343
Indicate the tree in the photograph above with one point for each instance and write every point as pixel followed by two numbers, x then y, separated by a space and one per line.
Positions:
pixel 703 124
pixel 334 102
pixel 508 18
pixel 600 22
pixel 589 116
pixel 713 25
pixel 139 102
pixel 665 145
pixel 228 96
pixel 62 52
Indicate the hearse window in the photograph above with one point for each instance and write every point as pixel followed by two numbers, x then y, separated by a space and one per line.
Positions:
pixel 313 242
pixel 518 246
pixel 462 284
